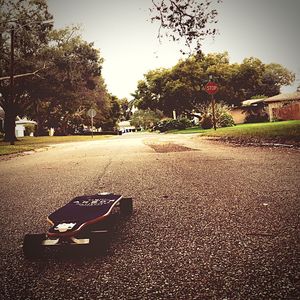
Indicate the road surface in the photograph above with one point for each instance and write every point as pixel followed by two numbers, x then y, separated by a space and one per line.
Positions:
pixel 211 221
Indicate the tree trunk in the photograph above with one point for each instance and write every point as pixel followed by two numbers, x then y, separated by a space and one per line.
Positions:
pixel 10 125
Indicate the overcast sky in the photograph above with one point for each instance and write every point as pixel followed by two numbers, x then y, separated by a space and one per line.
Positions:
pixel 266 29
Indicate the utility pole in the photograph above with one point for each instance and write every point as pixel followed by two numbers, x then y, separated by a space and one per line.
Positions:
pixel 12 61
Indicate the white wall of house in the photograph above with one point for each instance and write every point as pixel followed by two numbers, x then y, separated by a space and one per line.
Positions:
pixel 125 126
pixel 19 130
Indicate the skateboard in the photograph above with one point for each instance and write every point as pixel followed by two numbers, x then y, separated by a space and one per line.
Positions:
pixel 81 222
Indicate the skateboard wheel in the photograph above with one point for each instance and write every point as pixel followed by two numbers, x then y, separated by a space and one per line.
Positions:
pixel 32 245
pixel 126 206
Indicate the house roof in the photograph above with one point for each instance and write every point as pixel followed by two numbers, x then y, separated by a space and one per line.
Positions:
pixel 252 101
pixel 125 124
pixel 25 122
pixel 284 97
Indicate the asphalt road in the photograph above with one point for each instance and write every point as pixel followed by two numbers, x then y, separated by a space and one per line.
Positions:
pixel 211 221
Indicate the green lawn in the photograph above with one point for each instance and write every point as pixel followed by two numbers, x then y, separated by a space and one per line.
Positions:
pixel 32 143
pixel 287 131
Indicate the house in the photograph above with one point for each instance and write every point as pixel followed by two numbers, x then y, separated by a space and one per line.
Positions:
pixel 254 108
pixel 20 124
pixel 125 126
pixel 284 106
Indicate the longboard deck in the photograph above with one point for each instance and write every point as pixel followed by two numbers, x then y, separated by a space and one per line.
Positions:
pixel 81 211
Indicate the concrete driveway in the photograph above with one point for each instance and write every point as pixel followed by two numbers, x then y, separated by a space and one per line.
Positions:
pixel 211 221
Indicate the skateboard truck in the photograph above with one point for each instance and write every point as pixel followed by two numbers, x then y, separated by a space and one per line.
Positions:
pixel 81 222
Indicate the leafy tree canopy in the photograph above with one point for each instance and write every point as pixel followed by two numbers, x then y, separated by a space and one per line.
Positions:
pixel 181 87
pixel 146 118
pixel 65 72
pixel 25 25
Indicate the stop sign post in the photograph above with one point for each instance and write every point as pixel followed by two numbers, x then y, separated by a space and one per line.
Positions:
pixel 211 88
pixel 92 113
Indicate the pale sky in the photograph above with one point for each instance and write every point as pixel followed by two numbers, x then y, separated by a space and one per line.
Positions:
pixel 121 29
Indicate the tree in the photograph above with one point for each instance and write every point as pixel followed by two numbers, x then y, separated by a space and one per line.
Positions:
pixel 112 115
pixel 146 118
pixel 181 87
pixel 20 47
pixel 124 109
pixel 185 19
pixel 70 85
pixel 274 77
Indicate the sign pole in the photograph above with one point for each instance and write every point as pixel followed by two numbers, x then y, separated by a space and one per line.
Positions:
pixel 213 111
pixel 92 113
pixel 211 88
pixel 92 126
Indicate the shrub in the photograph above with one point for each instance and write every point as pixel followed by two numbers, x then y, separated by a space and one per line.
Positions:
pixel 185 123
pixel 222 115
pixel 206 122
pixel 171 124
pixel 145 118
pixel 225 120
pixel 256 118
pixel 29 128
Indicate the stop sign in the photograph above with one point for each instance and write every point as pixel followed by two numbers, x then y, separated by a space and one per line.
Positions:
pixel 211 88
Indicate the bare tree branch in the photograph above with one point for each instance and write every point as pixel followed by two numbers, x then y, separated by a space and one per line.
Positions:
pixel 188 20
pixel 24 75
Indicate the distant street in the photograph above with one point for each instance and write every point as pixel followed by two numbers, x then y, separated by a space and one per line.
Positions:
pixel 211 221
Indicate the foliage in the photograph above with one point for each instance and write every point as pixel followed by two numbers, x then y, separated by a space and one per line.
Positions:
pixel 146 119
pixel 207 121
pixel 70 86
pixel 225 120
pixel 186 20
pixel 258 97
pixel 256 118
pixel 222 115
pixel 112 115
pixel 67 71
pixel 125 112
pixel 181 88
pixel 257 113
pixel 29 37
pixel 167 124
pixel 29 129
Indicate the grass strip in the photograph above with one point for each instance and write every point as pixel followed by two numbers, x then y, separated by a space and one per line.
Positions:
pixel 32 143
pixel 276 132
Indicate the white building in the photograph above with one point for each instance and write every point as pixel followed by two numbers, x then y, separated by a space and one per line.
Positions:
pixel 125 126
pixel 20 124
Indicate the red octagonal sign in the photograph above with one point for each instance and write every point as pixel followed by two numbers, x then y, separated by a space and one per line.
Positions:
pixel 211 88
